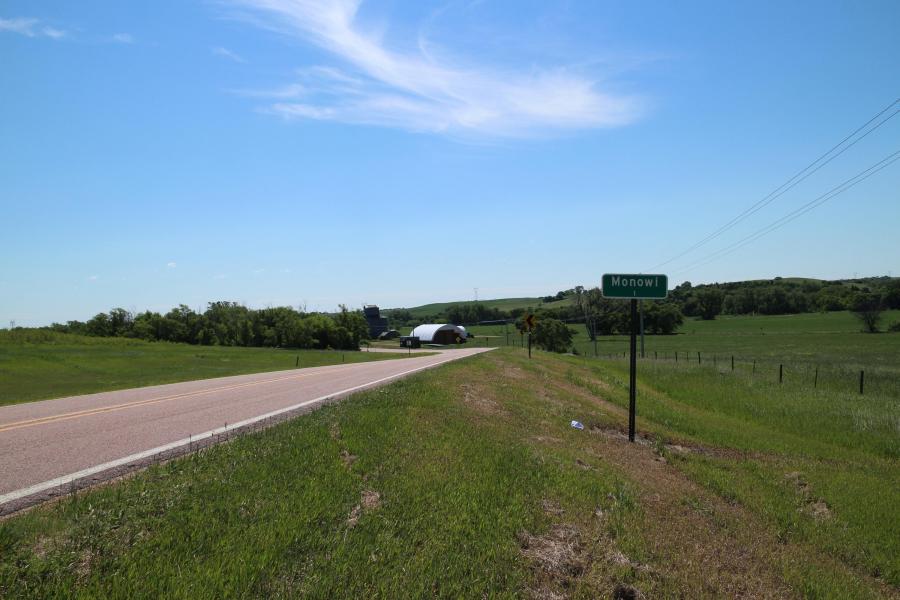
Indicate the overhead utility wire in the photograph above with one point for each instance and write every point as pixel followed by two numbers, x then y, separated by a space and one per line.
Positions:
pixel 790 183
pixel 802 210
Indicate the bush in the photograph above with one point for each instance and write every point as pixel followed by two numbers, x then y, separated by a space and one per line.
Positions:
pixel 894 327
pixel 552 335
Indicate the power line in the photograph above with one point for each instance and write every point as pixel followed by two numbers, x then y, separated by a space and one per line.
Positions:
pixel 798 212
pixel 792 182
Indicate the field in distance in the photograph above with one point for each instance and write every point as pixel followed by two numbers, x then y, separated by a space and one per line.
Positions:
pixel 506 304
pixel 36 365
pixel 830 342
pixel 469 481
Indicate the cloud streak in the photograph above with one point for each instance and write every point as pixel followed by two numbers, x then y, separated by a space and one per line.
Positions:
pixel 30 28
pixel 415 91
pixel 226 53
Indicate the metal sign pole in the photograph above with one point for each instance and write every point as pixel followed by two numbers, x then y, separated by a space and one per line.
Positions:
pixel 633 376
pixel 642 329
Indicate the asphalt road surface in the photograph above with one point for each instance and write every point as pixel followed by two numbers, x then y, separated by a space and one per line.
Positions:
pixel 53 447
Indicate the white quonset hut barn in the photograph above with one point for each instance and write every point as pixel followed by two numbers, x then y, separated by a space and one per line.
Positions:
pixel 440 334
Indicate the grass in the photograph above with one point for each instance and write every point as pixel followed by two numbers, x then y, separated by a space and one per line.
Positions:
pixel 468 481
pixel 830 342
pixel 506 304
pixel 35 365
pixel 822 466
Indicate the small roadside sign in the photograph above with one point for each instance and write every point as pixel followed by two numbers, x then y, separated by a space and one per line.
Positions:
pixel 529 322
pixel 635 287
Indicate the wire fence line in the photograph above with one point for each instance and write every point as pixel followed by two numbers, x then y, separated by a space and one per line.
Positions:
pixel 793 374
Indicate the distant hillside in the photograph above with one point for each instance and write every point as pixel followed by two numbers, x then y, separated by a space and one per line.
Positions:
pixel 779 295
pixel 505 304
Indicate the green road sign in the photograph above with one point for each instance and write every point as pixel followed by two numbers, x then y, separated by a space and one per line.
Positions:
pixel 635 287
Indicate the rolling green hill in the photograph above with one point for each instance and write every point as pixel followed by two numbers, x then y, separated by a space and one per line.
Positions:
pixel 500 303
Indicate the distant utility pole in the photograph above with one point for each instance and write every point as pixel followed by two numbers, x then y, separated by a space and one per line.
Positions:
pixel 12 324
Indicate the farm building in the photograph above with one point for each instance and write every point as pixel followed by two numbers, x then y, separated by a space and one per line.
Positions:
pixel 377 324
pixel 440 334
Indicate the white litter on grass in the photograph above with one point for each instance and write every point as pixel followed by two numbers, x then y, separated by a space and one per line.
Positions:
pixel 577 425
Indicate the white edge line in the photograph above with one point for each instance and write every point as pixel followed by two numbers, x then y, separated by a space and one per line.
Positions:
pixel 52 483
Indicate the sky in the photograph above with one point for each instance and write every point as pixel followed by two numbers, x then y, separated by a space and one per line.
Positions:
pixel 312 153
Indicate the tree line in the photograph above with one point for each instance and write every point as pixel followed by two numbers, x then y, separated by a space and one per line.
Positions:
pixel 867 298
pixel 230 324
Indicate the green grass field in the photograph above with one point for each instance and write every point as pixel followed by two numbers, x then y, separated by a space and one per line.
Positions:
pixel 500 303
pixel 35 365
pixel 468 481
pixel 830 342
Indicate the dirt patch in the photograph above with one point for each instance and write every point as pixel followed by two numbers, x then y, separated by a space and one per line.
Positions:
pixel 369 501
pixel 513 373
pixel 41 546
pixel 818 510
pixel 626 592
pixel 558 554
pixel 546 439
pixel 83 565
pixel 481 400
pixel 811 505
pixel 583 465
pixel 347 458
pixel 551 507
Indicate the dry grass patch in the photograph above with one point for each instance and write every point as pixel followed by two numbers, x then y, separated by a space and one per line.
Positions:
pixel 369 501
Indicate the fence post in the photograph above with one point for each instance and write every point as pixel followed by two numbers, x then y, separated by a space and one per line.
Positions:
pixel 754 366
pixel 816 380
pixel 732 362
pixel 655 355
pixel 862 378
pixel 676 356
pixel 780 373
pixel 698 358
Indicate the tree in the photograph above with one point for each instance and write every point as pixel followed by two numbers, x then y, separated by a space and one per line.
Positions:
pixel 552 335
pixel 98 326
pixel 868 308
pixel 890 297
pixel 662 317
pixel 709 302
pixel 354 323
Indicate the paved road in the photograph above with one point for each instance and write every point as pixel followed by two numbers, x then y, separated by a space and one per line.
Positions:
pixel 51 446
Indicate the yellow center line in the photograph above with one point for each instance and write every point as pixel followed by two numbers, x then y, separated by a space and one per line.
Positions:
pixel 115 407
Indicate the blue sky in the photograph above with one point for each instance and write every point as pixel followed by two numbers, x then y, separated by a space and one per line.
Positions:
pixel 278 152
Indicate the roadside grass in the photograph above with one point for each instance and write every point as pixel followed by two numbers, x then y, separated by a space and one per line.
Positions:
pixel 468 481
pixel 37 365
pixel 820 466
pixel 403 491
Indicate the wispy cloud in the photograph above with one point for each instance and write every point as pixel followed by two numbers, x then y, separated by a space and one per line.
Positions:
pixel 93 278
pixel 416 91
pixel 123 38
pixel 171 265
pixel 30 28
pixel 54 33
pixel 225 52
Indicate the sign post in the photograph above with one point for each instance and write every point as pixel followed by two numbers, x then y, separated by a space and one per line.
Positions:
pixel 634 288
pixel 529 324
